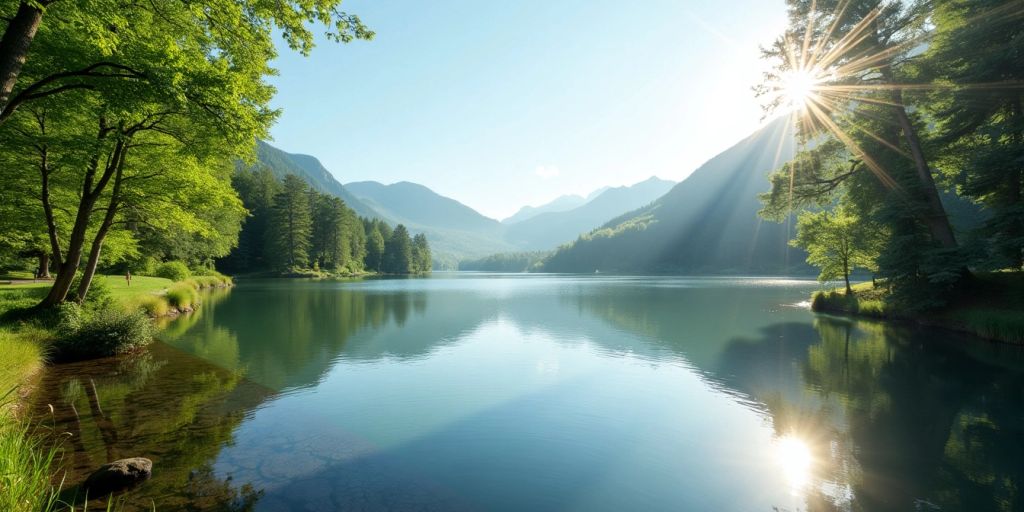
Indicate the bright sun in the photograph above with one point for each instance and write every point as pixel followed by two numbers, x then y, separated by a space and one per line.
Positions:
pixel 798 88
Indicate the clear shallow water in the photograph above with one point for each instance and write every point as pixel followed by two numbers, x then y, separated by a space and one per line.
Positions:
pixel 515 392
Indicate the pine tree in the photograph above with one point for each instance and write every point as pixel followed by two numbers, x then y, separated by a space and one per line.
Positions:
pixel 398 252
pixel 421 253
pixel 374 248
pixel 290 225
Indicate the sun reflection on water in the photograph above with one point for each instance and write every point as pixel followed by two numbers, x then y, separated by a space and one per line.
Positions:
pixel 796 460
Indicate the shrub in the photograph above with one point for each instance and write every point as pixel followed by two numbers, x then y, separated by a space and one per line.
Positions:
pixel 104 333
pixel 98 296
pixel 173 270
pixel 182 295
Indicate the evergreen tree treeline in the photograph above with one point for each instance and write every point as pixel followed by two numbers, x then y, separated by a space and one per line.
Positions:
pixel 292 228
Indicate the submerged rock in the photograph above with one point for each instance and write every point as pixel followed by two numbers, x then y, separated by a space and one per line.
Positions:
pixel 118 475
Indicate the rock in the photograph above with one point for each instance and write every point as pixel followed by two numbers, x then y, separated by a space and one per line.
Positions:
pixel 118 475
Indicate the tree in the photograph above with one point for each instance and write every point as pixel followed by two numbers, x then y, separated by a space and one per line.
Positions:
pixel 398 252
pixel 290 225
pixel 844 59
pixel 974 60
pixel 256 188
pixel 421 253
pixel 842 67
pixel 331 241
pixel 81 44
pixel 837 242
pixel 374 248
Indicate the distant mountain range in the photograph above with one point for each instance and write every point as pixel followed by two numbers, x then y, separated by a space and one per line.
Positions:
pixel 551 229
pixel 456 231
pixel 559 204
pixel 708 223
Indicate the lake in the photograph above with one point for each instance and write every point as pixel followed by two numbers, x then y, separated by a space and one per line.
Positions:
pixel 547 392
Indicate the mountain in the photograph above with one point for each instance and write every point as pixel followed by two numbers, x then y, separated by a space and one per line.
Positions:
pixel 414 203
pixel 560 204
pixel 453 229
pixel 282 163
pixel 551 229
pixel 708 223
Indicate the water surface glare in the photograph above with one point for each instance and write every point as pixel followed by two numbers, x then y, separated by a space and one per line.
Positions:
pixel 545 392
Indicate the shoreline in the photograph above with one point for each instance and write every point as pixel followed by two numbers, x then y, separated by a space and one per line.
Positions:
pixel 988 308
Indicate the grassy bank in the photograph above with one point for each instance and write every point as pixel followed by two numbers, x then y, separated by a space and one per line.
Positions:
pixel 990 306
pixel 27 461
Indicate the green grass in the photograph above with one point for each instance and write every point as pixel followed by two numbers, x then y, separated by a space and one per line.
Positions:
pixel 989 305
pixel 16 274
pixel 27 464
pixel 121 292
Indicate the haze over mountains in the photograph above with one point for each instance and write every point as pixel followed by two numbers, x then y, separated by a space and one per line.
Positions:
pixel 551 229
pixel 456 231
pixel 708 223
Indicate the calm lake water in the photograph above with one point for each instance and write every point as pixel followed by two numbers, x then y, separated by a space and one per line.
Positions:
pixel 529 392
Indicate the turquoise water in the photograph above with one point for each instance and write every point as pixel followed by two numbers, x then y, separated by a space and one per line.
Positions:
pixel 528 392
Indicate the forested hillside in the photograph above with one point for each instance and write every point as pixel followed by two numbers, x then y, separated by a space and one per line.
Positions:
pixel 707 223
pixel 281 163
pixel 292 228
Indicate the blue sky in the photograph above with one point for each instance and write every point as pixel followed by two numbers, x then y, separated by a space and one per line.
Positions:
pixel 503 104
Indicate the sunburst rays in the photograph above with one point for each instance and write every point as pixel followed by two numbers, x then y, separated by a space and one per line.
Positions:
pixel 839 63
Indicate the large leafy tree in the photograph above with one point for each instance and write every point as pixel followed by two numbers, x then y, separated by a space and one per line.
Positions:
pixel 843 68
pixel 50 47
pixel 842 62
pixel 129 87
pixel 976 59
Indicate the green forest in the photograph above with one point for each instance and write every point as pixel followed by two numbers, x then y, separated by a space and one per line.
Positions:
pixel 123 130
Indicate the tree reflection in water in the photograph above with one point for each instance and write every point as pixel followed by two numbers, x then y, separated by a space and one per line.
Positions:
pixel 163 404
pixel 893 418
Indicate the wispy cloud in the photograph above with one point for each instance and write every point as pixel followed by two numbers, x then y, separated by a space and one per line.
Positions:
pixel 547 171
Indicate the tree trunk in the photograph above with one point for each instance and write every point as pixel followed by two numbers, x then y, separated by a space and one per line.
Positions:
pixel 66 275
pixel 14 47
pixel 936 218
pixel 51 224
pixel 101 233
pixel 44 265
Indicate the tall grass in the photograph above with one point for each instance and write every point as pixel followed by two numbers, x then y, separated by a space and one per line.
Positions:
pixel 994 324
pixel 23 353
pixel 182 295
pixel 27 464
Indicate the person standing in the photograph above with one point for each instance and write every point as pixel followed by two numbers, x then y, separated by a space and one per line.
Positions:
pixel 128 277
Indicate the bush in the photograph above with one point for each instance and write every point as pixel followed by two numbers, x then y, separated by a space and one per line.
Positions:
pixel 173 270
pixel 104 333
pixel 98 296
pixel 182 295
